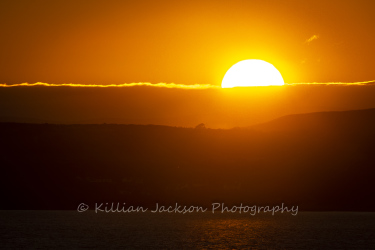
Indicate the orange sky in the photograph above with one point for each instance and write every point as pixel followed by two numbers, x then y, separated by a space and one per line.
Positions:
pixel 189 42
pixel 173 44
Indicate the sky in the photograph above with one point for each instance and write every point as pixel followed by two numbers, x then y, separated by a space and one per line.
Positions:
pixel 184 49
pixel 184 42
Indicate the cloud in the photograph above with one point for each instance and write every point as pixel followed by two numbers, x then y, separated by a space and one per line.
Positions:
pixel 314 37
pixel 334 83
pixel 163 85
pixel 124 85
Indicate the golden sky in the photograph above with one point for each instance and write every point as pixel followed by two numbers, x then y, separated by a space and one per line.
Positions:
pixel 184 42
pixel 182 49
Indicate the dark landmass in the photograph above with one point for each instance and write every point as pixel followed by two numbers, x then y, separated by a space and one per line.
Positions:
pixel 318 161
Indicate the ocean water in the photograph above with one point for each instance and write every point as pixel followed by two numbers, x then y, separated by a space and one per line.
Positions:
pixel 71 229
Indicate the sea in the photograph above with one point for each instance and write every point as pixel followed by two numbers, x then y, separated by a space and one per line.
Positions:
pixel 89 230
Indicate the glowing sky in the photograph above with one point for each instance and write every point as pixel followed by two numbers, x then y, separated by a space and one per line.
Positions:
pixel 184 42
pixel 162 62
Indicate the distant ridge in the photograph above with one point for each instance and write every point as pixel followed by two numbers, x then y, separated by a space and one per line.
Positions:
pixel 351 119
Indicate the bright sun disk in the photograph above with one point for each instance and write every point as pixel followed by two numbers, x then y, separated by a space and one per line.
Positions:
pixel 252 72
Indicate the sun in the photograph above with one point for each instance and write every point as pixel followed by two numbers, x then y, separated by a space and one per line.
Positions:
pixel 252 72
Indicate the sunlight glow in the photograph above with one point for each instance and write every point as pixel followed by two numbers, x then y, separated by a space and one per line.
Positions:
pixel 252 72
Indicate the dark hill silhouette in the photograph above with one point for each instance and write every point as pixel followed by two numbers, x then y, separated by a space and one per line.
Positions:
pixel 318 161
pixel 335 120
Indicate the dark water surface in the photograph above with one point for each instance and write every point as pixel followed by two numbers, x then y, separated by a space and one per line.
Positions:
pixel 71 229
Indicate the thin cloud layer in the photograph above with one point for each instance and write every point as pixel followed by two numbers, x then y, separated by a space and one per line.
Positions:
pixel 157 85
pixel 334 83
pixel 164 85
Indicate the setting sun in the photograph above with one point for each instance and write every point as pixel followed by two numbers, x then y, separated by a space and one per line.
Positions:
pixel 253 72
